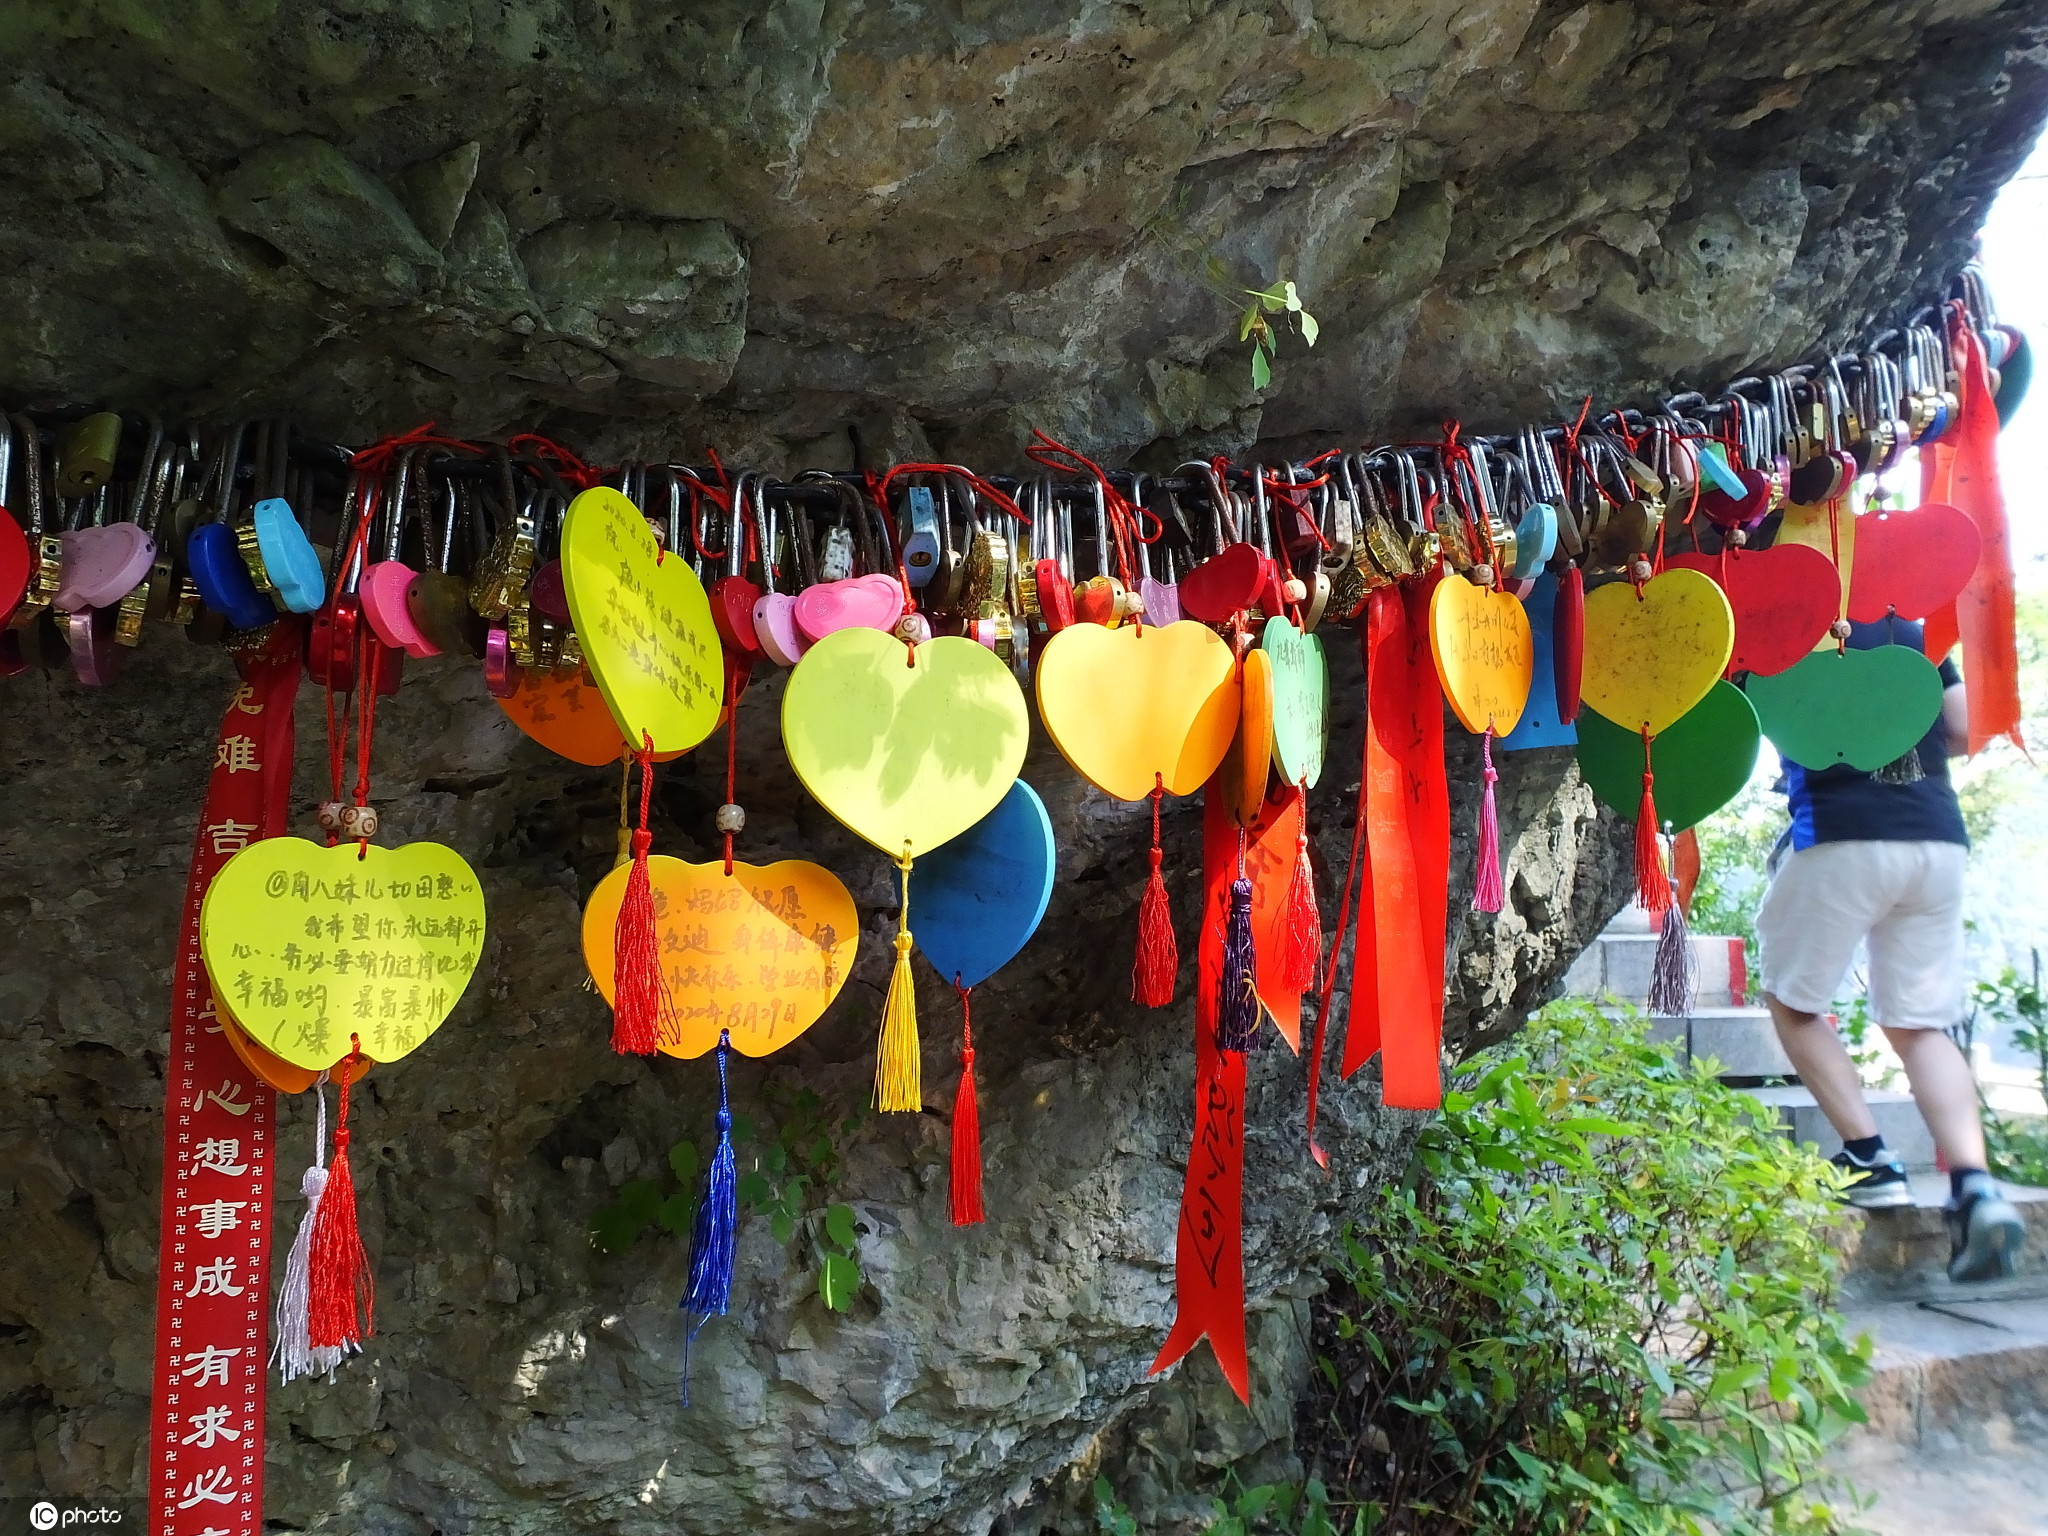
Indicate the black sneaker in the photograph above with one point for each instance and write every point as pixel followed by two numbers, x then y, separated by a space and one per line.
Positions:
pixel 1882 1185
pixel 1984 1232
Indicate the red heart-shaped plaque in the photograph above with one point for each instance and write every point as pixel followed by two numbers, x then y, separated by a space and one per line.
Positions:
pixel 732 614
pixel 1734 512
pixel 14 565
pixel 1784 598
pixel 1910 563
pixel 1223 584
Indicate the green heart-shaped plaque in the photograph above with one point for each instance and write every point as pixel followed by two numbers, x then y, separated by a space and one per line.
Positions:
pixel 1301 700
pixel 1701 761
pixel 1863 708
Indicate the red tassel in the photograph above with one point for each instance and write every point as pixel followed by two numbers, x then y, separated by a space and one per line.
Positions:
pixel 966 1129
pixel 1304 919
pixel 1158 958
pixel 1489 890
pixel 1653 887
pixel 641 1005
pixel 338 1281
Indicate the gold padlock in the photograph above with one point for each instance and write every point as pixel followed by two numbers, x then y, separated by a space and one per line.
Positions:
pixel 85 457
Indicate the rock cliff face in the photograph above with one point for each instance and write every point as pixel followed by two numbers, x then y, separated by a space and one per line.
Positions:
pixel 758 228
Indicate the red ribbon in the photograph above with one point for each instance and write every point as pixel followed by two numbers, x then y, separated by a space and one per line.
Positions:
pixel 1397 958
pixel 1208 1257
pixel 213 1276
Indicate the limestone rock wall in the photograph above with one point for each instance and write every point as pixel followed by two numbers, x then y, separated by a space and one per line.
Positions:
pixel 788 230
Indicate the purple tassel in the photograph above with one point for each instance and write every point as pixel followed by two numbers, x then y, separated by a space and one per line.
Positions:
pixel 1489 892
pixel 1674 982
pixel 1237 1017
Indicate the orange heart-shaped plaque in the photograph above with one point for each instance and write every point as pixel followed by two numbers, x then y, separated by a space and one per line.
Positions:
pixel 1249 762
pixel 1131 706
pixel 272 1068
pixel 565 713
pixel 1485 653
pixel 758 954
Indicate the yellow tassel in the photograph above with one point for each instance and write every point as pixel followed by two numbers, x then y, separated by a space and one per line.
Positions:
pixel 898 1079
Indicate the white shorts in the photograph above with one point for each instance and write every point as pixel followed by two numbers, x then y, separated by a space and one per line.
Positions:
pixel 1906 898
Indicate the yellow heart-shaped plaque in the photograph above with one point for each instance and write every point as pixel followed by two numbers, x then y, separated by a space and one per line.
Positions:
pixel 1649 659
pixel 1127 704
pixel 1485 653
pixel 308 945
pixel 760 952
pixel 644 622
pixel 909 746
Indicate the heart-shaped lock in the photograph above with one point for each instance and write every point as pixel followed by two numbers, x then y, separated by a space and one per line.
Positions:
pixel 978 899
pixel 1911 563
pixel 1650 658
pixel 385 583
pixel 1860 707
pixel 1485 655
pixel 1783 599
pixel 223 579
pixel 1301 700
pixel 545 593
pixel 644 622
pixel 102 565
pixel 1699 763
pixel 859 602
pixel 908 746
pixel 290 564
pixel 1132 706
pixel 15 565
pixel 1743 510
pixel 1224 584
pixel 307 945
pixel 754 956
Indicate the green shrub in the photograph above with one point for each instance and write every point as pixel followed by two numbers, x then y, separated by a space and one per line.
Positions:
pixel 1597 1304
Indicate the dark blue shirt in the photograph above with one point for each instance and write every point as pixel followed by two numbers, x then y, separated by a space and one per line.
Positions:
pixel 1846 805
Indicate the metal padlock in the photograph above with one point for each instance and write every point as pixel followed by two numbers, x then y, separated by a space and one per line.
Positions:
pixel 86 454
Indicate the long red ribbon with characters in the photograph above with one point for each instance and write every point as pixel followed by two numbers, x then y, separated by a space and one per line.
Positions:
pixel 1961 468
pixel 1397 958
pixel 213 1270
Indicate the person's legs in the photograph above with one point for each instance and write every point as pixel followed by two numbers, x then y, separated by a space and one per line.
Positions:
pixel 1824 1066
pixel 1820 903
pixel 1945 1093
pixel 1916 994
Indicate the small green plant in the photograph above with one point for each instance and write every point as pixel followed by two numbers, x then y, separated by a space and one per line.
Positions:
pixel 1255 322
pixel 1254 326
pixel 784 1176
pixel 1597 1306
pixel 1276 1507
pixel 1111 1518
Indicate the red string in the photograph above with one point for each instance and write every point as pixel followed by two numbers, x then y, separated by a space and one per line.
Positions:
pixel 572 469
pixel 1125 521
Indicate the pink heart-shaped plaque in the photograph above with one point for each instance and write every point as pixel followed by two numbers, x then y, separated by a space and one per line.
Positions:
pixel 1162 601
pixel 775 626
pixel 102 565
pixel 383 596
pixel 859 602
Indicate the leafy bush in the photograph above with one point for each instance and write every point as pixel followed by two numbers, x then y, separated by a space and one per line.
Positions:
pixel 2018 1145
pixel 784 1175
pixel 1597 1304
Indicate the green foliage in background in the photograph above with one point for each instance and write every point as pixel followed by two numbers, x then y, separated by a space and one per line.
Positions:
pixel 1734 842
pixel 1259 322
pixel 786 1175
pixel 1598 1304
pixel 2018 1147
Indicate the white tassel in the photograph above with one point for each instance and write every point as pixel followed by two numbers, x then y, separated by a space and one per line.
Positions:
pixel 293 1353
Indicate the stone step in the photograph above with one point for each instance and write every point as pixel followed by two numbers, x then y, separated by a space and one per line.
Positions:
pixel 1898 1121
pixel 1742 1040
pixel 1620 965
pixel 1902 1254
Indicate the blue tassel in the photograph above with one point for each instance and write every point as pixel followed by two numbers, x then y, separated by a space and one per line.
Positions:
pixel 1238 1012
pixel 711 1245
